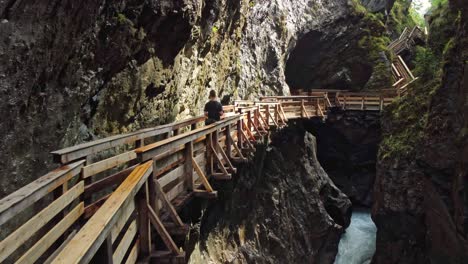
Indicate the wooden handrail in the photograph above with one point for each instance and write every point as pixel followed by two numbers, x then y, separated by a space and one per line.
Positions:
pixel 16 202
pixel 147 152
pixel 86 242
pixel 80 151
pixel 182 165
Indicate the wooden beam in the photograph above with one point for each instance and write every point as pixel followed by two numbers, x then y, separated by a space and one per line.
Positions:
pixel 107 182
pixel 23 233
pixel 202 176
pixel 226 159
pixel 165 236
pixel 236 148
pixel 125 243
pixel 36 251
pixel 133 256
pixel 188 166
pixel 119 225
pixel 88 240
pixel 149 151
pixel 73 153
pixel 218 160
pixel 31 193
pixel 167 204
pixel 109 163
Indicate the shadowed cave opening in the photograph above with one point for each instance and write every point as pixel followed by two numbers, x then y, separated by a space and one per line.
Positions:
pixel 320 61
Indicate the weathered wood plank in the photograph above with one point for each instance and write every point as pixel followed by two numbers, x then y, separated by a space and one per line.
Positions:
pixel 171 176
pixel 48 239
pixel 202 176
pixel 167 204
pixel 84 245
pixel 119 225
pixel 73 153
pixel 31 193
pixel 108 181
pixel 125 243
pixel 109 163
pixel 23 233
pixel 152 150
pixel 133 256
pixel 166 237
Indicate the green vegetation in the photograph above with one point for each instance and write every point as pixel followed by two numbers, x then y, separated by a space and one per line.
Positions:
pixel 214 29
pixel 406 119
pixel 372 44
pixel 403 15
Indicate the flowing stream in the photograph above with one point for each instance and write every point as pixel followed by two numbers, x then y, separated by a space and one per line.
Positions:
pixel 357 245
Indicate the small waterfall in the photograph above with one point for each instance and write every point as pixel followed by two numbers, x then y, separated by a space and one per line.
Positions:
pixel 357 245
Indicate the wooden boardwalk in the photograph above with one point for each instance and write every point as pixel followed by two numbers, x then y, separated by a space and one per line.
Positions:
pixel 112 200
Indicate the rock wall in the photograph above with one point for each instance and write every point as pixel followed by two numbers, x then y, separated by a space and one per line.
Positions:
pixel 75 71
pixel 421 205
pixel 282 208
pixel 347 143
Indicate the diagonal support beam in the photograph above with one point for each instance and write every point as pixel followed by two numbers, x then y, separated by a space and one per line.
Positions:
pixel 162 231
pixel 218 160
pixel 203 178
pixel 236 148
pixel 247 140
pixel 226 158
pixel 167 204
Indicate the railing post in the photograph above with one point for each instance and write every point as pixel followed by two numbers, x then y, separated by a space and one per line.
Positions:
pixel 239 132
pixel 189 166
pixel 143 222
pixel 228 142
pixel 276 114
pixel 267 115
pixel 249 120
pixel 209 154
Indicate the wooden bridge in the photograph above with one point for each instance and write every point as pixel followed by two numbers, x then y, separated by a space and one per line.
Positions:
pixel 116 200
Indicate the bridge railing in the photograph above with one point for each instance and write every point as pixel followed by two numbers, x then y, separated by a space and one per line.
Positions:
pixel 171 172
pixel 92 207
pixel 42 215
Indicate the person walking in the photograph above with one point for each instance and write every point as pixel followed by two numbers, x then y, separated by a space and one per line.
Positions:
pixel 213 109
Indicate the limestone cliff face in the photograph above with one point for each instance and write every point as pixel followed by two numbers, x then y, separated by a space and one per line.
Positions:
pixel 421 202
pixel 76 71
pixel 282 208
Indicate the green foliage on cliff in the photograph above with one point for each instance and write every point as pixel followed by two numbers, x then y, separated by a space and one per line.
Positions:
pixel 402 15
pixel 405 120
pixel 373 45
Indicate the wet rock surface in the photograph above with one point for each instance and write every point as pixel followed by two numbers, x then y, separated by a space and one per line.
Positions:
pixel 421 202
pixel 347 143
pixel 283 209
pixel 72 71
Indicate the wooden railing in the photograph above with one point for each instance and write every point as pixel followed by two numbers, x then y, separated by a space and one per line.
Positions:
pixel 113 197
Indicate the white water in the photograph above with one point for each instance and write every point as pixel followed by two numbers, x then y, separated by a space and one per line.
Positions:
pixel 357 245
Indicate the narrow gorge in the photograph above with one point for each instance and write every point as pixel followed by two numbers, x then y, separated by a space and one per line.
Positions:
pixel 342 135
